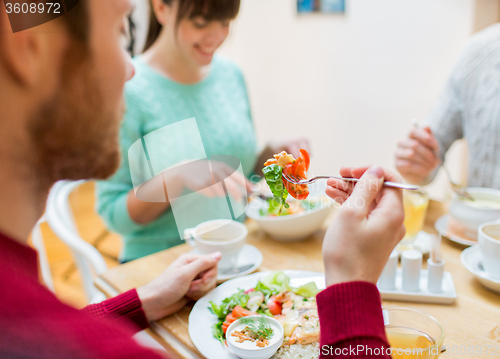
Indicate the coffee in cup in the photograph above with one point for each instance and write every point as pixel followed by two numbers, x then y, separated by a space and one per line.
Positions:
pixel 221 235
pixel 489 245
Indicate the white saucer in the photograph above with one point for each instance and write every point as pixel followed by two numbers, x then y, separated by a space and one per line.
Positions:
pixel 249 255
pixel 441 226
pixel 472 260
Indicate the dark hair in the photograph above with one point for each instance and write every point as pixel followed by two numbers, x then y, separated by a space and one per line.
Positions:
pixel 77 22
pixel 210 10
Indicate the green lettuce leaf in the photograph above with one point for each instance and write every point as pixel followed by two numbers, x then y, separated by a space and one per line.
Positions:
pixel 273 174
pixel 307 290
pixel 218 332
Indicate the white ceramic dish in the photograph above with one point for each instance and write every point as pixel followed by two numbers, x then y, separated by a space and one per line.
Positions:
pixel 472 260
pixel 256 353
pixel 490 247
pixel 294 227
pixel 201 319
pixel 447 296
pixel 470 214
pixel 441 226
pixel 249 256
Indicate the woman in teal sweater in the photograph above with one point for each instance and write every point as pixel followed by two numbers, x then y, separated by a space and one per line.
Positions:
pixel 179 78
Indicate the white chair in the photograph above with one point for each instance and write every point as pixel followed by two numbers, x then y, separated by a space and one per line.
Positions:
pixel 87 258
pixel 89 261
pixel 38 243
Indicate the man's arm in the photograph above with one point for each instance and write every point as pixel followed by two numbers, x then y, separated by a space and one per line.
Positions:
pixel 355 249
pixel 124 307
pixel 351 321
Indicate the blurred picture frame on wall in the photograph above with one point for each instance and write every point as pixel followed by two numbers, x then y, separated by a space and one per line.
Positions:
pixel 321 6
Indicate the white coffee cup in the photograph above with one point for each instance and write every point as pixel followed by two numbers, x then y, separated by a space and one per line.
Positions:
pixel 489 245
pixel 220 235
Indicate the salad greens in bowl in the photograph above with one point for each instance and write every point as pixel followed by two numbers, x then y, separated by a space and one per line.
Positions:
pixel 296 221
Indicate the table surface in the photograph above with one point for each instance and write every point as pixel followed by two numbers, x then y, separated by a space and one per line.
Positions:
pixel 467 322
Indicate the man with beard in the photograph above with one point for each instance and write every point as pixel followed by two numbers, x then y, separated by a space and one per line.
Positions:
pixel 61 88
pixel 60 107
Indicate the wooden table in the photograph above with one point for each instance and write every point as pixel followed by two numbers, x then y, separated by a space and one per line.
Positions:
pixel 467 322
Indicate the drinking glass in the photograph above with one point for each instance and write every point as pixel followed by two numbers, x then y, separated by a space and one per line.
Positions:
pixel 412 334
pixel 415 207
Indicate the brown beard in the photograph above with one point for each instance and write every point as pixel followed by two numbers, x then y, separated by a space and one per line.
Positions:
pixel 75 134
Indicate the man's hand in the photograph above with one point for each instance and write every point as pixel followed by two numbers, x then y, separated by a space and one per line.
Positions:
pixel 416 155
pixel 367 227
pixel 191 276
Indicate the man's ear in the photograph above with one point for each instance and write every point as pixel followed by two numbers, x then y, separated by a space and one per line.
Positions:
pixel 25 54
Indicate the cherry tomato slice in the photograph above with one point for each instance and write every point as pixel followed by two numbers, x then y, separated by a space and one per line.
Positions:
pixel 297 169
pixel 274 307
pixel 305 156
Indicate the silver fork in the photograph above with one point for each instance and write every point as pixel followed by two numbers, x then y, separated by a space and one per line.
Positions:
pixel 296 180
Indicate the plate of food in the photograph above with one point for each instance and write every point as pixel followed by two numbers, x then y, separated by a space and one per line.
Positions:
pixel 286 297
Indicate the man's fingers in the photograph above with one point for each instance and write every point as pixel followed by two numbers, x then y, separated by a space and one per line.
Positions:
pixel 423 157
pixel 201 264
pixel 336 194
pixel 357 172
pixel 185 259
pixel 209 275
pixel 407 167
pixel 342 185
pixel 425 137
pixel 416 151
pixel 366 190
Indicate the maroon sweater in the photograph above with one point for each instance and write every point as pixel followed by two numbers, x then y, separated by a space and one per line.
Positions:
pixel 35 324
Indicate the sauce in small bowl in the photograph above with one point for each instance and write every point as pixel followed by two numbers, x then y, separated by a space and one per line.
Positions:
pixel 471 214
pixel 243 341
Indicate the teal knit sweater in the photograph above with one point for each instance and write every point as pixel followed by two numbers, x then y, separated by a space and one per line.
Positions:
pixel 220 105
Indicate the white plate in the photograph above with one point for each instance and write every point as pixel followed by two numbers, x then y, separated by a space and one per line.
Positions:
pixel 248 255
pixel 441 226
pixel 472 260
pixel 201 319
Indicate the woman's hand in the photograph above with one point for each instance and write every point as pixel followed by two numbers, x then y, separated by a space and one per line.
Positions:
pixel 191 276
pixel 289 144
pixel 203 177
pixel 276 145
pixel 367 227
pixel 415 155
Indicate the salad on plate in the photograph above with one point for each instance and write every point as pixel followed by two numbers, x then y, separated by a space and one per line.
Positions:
pixel 294 308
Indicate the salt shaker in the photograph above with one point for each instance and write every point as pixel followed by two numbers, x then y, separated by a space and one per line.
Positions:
pixel 435 276
pixel 411 261
pixel 387 279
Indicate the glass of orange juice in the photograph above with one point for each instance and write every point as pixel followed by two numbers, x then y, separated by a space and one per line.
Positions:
pixel 415 207
pixel 413 334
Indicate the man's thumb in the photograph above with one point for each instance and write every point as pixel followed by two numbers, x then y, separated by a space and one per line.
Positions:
pixel 366 190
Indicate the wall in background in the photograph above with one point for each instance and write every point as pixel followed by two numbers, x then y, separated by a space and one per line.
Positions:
pixel 487 13
pixel 350 83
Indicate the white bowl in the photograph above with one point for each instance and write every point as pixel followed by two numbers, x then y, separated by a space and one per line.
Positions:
pixel 470 215
pixel 256 352
pixel 294 227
